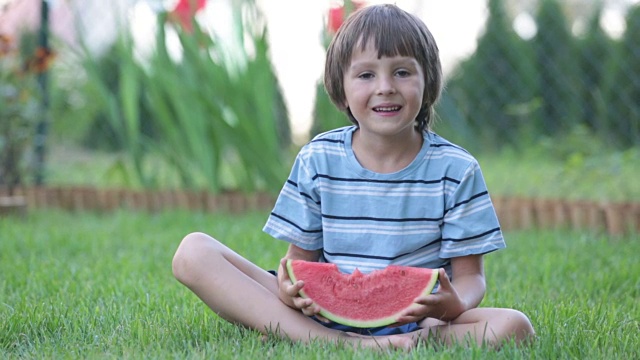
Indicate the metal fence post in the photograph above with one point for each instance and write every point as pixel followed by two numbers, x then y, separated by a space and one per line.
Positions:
pixel 43 82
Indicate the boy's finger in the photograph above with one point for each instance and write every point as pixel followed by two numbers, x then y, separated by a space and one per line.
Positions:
pixel 443 278
pixel 283 267
pixel 303 303
pixel 294 289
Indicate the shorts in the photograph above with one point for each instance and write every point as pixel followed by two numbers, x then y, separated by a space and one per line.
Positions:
pixel 377 331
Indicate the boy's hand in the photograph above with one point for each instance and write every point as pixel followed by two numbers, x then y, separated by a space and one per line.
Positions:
pixel 445 304
pixel 289 293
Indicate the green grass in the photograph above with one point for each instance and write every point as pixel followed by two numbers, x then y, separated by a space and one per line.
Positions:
pixel 100 286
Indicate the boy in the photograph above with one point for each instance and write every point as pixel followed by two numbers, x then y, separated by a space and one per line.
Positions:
pixel 384 191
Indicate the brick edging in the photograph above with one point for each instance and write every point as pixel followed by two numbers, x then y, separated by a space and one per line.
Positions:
pixel 614 218
pixel 80 198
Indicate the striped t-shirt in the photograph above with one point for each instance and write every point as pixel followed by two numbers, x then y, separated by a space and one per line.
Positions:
pixel 435 209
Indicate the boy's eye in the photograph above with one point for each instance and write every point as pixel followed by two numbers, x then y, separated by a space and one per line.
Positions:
pixel 403 73
pixel 365 76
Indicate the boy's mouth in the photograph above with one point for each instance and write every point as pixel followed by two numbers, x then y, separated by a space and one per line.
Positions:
pixel 387 108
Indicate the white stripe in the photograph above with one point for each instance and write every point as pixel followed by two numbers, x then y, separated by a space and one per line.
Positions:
pixel 426 255
pixel 450 188
pixel 405 191
pixel 382 192
pixel 472 248
pixel 295 197
pixel 437 155
pixel 394 231
pixel 328 148
pixel 469 172
pixel 365 267
pixel 464 211
pixel 291 232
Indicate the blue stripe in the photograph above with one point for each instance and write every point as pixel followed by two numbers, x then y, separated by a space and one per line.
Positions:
pixel 376 257
pixel 475 236
pixel 378 181
pixel 293 183
pixel 294 224
pixel 467 201
pixel 368 218
pixel 334 141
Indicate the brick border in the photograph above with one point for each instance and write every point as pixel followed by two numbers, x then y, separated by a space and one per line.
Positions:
pixel 614 218
pixel 104 200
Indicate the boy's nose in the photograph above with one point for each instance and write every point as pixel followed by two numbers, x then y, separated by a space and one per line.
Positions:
pixel 385 85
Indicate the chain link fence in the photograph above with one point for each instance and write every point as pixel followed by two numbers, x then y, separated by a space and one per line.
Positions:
pixel 555 78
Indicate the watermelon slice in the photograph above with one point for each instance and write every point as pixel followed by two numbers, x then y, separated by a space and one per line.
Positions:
pixel 358 300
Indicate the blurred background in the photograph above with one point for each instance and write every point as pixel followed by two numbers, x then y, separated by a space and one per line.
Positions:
pixel 219 95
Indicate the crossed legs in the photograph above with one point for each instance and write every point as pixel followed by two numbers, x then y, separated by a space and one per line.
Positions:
pixel 243 293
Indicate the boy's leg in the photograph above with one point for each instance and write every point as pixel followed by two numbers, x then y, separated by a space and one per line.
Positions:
pixel 482 326
pixel 243 293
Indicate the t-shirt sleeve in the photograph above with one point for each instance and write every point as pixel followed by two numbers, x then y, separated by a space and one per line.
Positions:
pixel 470 223
pixel 296 216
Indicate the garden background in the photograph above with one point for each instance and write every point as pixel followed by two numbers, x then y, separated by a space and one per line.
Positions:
pixel 125 118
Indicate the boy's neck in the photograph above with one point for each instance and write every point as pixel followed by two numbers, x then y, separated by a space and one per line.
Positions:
pixel 386 154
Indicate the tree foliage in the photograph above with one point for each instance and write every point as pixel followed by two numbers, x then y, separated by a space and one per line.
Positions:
pixel 514 92
pixel 495 89
pixel 620 108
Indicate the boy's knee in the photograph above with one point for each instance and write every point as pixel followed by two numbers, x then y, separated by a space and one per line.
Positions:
pixel 187 255
pixel 520 326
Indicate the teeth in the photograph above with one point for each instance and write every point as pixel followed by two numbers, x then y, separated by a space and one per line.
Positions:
pixel 387 108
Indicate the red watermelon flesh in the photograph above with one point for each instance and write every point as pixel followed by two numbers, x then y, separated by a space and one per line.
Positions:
pixel 362 300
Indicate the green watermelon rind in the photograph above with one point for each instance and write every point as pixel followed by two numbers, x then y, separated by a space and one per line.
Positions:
pixel 385 321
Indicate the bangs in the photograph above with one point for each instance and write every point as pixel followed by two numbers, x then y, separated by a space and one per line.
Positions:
pixel 390 37
pixel 392 31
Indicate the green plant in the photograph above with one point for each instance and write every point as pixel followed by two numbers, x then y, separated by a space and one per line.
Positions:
pixel 325 114
pixel 216 111
pixel 519 88
pixel 594 53
pixel 620 108
pixel 491 98
pixel 19 96
pixel 555 52
pixel 228 114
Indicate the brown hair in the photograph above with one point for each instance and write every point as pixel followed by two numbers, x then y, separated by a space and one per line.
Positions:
pixel 394 32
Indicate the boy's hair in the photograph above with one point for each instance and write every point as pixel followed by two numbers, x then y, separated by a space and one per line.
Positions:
pixel 393 32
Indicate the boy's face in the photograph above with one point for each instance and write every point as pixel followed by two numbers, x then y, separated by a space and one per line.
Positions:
pixel 384 95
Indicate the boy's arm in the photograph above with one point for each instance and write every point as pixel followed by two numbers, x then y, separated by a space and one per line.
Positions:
pixel 468 281
pixel 298 253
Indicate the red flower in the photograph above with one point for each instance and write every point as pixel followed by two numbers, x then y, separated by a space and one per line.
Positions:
pixel 184 12
pixel 337 16
pixel 6 45
pixel 40 61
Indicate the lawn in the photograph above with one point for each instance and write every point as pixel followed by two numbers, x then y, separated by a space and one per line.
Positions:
pixel 100 286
